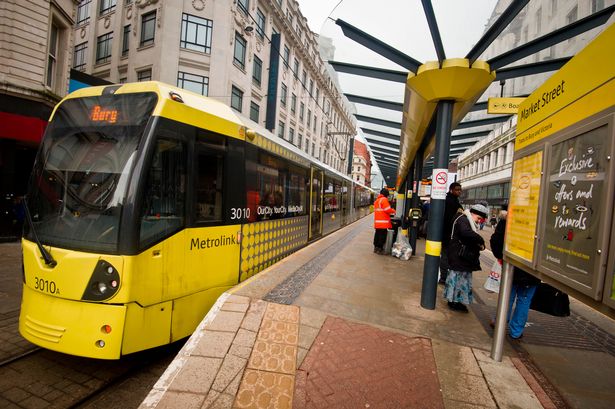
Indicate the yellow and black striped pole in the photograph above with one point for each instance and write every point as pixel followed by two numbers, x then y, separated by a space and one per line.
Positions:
pixel 414 185
pixel 433 246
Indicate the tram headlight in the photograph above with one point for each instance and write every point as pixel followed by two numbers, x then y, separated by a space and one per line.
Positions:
pixel 104 283
pixel 102 288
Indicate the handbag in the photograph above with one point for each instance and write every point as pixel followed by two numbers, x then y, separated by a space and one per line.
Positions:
pixel 465 252
pixel 492 284
pixel 550 300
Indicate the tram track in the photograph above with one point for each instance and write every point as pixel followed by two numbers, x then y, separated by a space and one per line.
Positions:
pixel 39 378
pixel 22 355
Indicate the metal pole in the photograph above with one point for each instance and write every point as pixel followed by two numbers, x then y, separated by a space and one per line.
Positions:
pixel 499 331
pixel 418 167
pixel 433 245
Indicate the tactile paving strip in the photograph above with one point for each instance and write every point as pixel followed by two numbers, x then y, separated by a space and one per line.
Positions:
pixel 288 290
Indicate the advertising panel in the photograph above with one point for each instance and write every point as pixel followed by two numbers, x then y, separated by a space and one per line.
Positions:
pixel 523 207
pixel 576 176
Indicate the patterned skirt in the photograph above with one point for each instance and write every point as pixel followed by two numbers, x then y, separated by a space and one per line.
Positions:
pixel 458 287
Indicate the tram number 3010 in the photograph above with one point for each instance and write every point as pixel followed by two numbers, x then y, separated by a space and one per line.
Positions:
pixel 46 286
pixel 238 213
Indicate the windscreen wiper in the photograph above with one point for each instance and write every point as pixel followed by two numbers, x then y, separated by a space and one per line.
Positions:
pixel 46 255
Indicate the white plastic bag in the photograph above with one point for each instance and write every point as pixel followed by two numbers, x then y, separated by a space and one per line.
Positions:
pixel 492 284
pixel 401 247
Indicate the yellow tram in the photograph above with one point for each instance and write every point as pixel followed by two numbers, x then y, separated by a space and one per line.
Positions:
pixel 147 202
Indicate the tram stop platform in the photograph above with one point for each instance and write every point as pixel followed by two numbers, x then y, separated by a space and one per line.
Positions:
pixel 337 326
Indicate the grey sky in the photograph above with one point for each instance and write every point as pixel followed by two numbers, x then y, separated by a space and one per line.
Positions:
pixel 401 24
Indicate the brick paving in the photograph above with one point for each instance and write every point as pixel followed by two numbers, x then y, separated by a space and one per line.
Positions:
pixel 355 365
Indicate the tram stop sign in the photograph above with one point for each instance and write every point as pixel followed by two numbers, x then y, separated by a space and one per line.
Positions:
pixel 439 180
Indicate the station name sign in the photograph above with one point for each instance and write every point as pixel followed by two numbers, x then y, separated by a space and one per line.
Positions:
pixel 543 100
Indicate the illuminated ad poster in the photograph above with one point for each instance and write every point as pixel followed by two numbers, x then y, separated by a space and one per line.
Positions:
pixel 576 177
pixel 523 207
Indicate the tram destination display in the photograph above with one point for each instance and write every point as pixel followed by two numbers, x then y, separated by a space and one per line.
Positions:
pixel 576 177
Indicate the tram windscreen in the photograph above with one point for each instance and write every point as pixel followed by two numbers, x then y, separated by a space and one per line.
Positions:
pixel 78 185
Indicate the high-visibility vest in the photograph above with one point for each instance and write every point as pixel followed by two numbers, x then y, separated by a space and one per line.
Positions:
pixel 382 212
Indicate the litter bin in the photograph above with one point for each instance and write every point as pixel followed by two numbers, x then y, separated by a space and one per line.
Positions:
pixel 392 235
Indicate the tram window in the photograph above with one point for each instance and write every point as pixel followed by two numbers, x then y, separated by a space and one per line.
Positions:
pixel 276 189
pixel 210 171
pixel 164 200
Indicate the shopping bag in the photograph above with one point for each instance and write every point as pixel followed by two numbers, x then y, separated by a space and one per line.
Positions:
pixel 492 284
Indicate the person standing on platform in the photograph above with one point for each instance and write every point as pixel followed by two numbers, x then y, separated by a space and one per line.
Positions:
pixel 452 209
pixel 524 285
pixel 382 220
pixel 463 257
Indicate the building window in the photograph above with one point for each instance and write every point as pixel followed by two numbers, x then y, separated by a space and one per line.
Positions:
pixel 239 56
pixel 106 6
pixel 236 98
pixel 309 118
pixel 299 140
pixel 193 82
pixel 597 5
pixel 83 12
pixel 281 130
pixel 283 94
pixel 572 16
pixel 196 33
pixel 260 23
pixel 303 77
pixel 148 28
pixel 244 6
pixel 314 128
pixel 79 56
pixel 103 48
pixel 293 103
pixel 123 80
pixel 291 135
pixel 257 71
pixel 313 148
pixel 144 75
pixel 286 55
pixel 301 111
pixel 52 54
pixel 311 86
pixel 125 40
pixel 296 68
pixel 254 111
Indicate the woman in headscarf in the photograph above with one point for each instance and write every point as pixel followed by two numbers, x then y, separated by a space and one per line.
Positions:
pixel 463 257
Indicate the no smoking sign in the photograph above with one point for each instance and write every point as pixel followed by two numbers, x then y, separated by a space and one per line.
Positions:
pixel 439 177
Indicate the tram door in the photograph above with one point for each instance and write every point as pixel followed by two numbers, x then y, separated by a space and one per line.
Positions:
pixel 316 204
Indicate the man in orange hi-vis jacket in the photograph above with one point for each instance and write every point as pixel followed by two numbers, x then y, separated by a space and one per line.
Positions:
pixel 382 220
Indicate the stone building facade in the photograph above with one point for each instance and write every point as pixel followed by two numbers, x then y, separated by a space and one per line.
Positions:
pixel 36 49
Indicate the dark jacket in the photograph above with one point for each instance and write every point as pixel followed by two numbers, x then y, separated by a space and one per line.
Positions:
pixel 451 207
pixel 496 241
pixel 463 234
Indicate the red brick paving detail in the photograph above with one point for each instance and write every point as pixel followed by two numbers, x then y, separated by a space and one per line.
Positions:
pixel 354 365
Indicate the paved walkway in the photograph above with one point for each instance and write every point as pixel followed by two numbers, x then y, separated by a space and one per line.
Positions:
pixel 336 326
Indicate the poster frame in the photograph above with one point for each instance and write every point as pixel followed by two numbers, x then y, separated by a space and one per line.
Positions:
pixel 528 151
pixel 604 214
